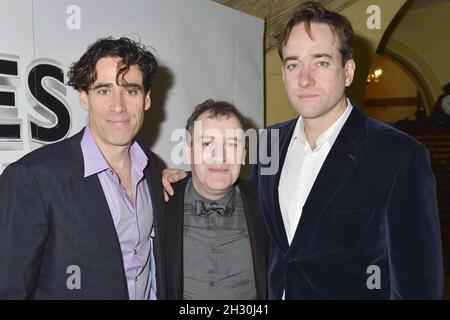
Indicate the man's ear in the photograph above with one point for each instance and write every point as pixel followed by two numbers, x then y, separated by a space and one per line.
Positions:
pixel 187 151
pixel 349 67
pixel 84 101
pixel 244 153
pixel 282 72
pixel 147 101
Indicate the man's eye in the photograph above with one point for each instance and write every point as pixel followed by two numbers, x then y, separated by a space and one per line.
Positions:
pixel 206 143
pixel 292 66
pixel 132 92
pixel 103 92
pixel 323 64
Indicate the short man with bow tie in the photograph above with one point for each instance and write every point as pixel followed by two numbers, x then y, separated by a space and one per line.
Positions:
pixel 216 236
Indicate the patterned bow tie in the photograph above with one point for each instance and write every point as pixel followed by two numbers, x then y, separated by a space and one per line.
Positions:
pixel 205 208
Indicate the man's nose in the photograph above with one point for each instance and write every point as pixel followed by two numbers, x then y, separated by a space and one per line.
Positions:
pixel 118 102
pixel 219 153
pixel 305 78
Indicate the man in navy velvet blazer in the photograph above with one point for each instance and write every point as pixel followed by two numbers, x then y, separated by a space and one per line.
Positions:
pixel 84 218
pixel 351 202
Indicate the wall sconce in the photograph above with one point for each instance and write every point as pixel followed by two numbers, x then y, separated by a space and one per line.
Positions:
pixel 374 76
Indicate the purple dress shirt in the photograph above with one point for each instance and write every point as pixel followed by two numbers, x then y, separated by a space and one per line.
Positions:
pixel 133 219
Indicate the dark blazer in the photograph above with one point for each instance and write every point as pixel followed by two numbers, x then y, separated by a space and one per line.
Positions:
pixel 256 230
pixel 51 217
pixel 373 204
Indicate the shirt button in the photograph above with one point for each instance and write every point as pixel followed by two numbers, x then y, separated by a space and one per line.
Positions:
pixel 135 251
pixel 136 279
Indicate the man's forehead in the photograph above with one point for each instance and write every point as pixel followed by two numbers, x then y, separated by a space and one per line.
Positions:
pixel 113 68
pixel 231 133
pixel 319 43
pixel 210 116
pixel 219 131
pixel 317 33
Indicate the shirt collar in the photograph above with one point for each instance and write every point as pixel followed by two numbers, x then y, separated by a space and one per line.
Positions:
pixel 193 194
pixel 95 162
pixel 328 137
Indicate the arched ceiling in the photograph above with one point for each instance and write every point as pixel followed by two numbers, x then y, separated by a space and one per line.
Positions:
pixel 276 12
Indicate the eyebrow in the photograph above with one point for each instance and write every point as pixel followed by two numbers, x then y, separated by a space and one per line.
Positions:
pixel 102 85
pixel 233 139
pixel 213 137
pixel 314 55
pixel 132 85
pixel 206 137
pixel 321 55
pixel 290 58
pixel 110 85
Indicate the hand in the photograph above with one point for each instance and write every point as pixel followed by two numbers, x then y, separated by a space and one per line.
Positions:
pixel 170 176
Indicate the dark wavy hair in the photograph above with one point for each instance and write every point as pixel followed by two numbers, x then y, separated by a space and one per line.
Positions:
pixel 313 12
pixel 83 74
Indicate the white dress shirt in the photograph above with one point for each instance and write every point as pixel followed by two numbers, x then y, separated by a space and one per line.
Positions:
pixel 301 167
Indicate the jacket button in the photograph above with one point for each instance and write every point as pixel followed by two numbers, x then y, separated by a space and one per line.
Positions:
pixel 290 259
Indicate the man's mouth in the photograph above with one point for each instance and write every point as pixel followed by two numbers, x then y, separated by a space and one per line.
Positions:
pixel 217 170
pixel 118 122
pixel 307 96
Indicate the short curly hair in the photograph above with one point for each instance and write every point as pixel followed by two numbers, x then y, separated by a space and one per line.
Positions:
pixel 215 109
pixel 83 73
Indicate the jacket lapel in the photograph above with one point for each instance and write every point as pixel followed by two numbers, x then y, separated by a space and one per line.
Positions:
pixel 280 231
pixel 257 236
pixel 343 158
pixel 153 178
pixel 175 258
pixel 94 208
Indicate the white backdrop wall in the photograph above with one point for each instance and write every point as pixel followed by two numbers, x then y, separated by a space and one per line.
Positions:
pixel 205 50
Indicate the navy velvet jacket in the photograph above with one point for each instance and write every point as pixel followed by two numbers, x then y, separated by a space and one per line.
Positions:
pixel 372 212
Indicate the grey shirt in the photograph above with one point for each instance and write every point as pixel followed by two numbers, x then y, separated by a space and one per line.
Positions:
pixel 218 261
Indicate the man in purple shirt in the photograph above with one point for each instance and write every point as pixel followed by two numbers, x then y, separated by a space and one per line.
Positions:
pixel 84 218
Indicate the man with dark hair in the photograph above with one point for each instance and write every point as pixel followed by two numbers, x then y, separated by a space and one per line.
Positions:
pixel 351 211
pixel 84 218
pixel 216 244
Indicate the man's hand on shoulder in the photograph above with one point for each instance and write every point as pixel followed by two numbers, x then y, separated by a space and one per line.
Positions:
pixel 170 176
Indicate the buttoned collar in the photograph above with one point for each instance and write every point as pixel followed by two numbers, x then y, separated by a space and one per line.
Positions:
pixel 95 162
